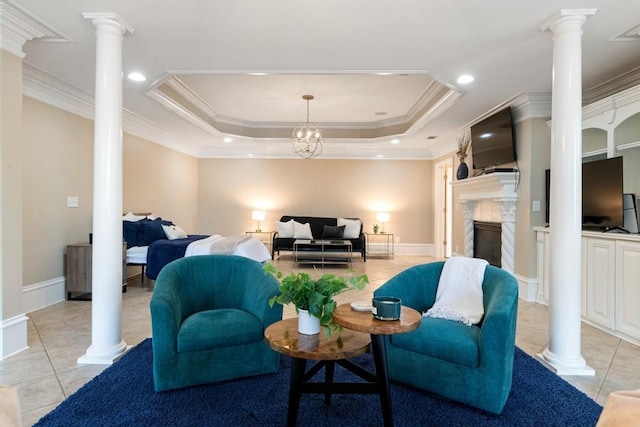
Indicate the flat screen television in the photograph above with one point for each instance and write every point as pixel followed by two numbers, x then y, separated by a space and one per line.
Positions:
pixel 602 194
pixel 493 140
pixel 602 189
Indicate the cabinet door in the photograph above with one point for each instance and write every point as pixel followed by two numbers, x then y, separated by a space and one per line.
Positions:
pixel 628 288
pixel 78 268
pixel 600 272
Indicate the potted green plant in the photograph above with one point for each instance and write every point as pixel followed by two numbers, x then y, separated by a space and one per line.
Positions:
pixel 375 228
pixel 313 298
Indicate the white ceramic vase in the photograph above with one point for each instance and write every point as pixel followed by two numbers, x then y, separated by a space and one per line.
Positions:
pixel 308 324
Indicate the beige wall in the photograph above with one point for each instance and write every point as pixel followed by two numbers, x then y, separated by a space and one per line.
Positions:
pixel 58 152
pixel 161 181
pixel 229 189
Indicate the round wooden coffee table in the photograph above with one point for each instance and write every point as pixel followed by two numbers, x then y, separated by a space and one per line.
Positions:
pixel 284 338
pixel 360 321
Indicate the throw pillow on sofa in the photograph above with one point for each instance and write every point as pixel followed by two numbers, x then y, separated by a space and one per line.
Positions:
pixel 302 231
pixel 285 229
pixel 331 232
pixel 352 227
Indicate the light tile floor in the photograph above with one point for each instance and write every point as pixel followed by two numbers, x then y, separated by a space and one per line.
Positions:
pixel 48 371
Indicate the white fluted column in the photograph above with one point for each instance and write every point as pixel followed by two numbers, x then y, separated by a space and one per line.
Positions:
pixel 468 206
pixel 508 236
pixel 106 306
pixel 565 223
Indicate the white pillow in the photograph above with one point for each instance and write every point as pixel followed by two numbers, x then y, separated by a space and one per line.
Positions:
pixel 130 216
pixel 285 229
pixel 351 229
pixel 174 232
pixel 302 231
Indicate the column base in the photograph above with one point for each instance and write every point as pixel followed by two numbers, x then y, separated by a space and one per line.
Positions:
pixel 565 366
pixel 105 356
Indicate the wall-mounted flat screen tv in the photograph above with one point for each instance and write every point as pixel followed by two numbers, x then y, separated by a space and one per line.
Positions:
pixel 493 140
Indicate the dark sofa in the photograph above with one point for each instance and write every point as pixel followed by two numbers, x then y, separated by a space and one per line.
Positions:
pixel 317 227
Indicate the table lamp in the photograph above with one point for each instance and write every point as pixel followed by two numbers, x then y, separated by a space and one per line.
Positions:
pixel 382 217
pixel 258 216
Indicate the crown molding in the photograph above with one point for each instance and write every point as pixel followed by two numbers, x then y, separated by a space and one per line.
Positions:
pixel 50 90
pixel 612 86
pixel 612 102
pixel 18 26
pixel 531 106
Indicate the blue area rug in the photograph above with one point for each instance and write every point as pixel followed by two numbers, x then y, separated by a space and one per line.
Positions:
pixel 123 395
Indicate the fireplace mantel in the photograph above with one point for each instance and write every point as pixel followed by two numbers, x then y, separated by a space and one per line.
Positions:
pixel 498 185
pixel 492 198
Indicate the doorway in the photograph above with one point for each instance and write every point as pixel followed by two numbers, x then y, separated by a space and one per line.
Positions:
pixel 443 207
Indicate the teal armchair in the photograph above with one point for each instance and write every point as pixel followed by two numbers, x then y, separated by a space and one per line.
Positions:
pixel 208 316
pixel 468 364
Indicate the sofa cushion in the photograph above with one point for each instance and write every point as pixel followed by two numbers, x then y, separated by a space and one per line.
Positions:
pixel 442 339
pixel 352 227
pixel 228 327
pixel 302 231
pixel 331 232
pixel 285 229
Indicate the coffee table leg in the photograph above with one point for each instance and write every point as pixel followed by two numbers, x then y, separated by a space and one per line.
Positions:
pixel 329 369
pixel 298 367
pixel 380 358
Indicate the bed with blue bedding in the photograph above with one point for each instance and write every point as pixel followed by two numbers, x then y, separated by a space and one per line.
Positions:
pixel 162 252
pixel 154 242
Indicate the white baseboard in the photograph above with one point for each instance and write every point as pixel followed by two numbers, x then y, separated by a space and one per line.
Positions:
pixel 43 294
pixel 14 336
pixel 527 288
pixel 425 249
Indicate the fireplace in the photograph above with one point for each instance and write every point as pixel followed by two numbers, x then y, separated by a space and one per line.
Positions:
pixel 487 242
pixel 490 199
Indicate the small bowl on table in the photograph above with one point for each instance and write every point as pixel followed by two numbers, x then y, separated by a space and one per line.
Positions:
pixel 386 308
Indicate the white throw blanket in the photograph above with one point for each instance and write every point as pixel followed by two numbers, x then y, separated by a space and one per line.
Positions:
pixel 229 245
pixel 459 295
pixel 242 245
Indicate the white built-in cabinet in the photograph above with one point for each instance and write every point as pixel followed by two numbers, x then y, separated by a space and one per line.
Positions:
pixel 627 288
pixel 611 128
pixel 610 280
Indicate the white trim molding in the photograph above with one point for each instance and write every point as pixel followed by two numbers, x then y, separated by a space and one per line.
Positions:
pixel 14 336
pixel 43 294
pixel 18 26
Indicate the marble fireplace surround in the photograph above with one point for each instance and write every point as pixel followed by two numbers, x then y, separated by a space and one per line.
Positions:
pixel 490 198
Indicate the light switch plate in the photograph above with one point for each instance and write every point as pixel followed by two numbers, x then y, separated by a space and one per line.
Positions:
pixel 73 202
pixel 536 205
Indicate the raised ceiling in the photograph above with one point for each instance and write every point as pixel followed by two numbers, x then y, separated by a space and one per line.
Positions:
pixel 379 70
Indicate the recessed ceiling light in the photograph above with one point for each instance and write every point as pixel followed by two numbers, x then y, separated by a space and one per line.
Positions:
pixel 227 140
pixel 465 79
pixel 137 77
pixel 383 74
pixel 395 141
pixel 250 155
pixel 257 74
pixel 380 156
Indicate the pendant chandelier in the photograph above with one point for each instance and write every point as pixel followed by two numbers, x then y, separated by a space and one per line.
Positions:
pixel 306 139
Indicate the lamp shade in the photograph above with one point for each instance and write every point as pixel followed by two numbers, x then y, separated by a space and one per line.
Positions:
pixel 258 215
pixel 382 216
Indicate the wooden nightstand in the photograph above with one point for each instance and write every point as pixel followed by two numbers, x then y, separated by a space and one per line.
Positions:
pixel 78 280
